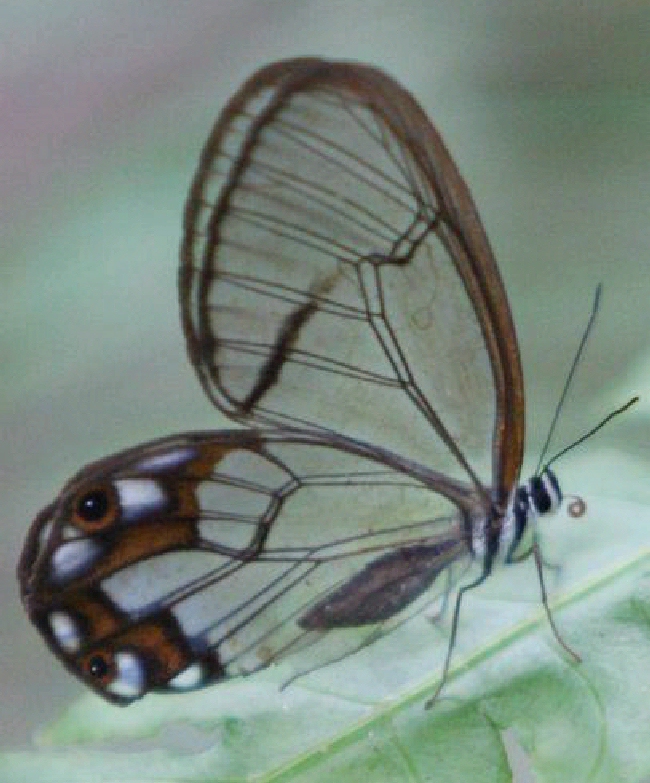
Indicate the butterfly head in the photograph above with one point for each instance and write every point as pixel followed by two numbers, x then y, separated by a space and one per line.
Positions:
pixel 540 496
pixel 543 493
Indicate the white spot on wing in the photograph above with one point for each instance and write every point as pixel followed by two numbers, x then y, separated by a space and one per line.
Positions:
pixel 170 459
pixel 129 679
pixel 188 678
pixel 73 558
pixel 138 497
pixel 65 631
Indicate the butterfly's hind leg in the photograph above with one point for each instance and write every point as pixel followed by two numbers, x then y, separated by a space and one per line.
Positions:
pixel 452 636
pixel 491 549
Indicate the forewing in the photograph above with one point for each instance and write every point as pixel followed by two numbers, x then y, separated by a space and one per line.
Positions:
pixel 335 275
pixel 216 554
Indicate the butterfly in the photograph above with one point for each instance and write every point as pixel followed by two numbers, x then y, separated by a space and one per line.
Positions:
pixel 342 306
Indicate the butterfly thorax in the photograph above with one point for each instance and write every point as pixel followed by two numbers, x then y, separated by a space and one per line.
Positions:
pixel 540 496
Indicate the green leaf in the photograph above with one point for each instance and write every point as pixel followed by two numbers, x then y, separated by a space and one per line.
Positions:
pixel 512 691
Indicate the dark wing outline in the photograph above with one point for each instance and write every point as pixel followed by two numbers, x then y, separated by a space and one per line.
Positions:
pixel 433 544
pixel 458 227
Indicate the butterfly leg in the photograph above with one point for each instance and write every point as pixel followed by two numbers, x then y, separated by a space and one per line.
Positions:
pixel 539 564
pixel 454 629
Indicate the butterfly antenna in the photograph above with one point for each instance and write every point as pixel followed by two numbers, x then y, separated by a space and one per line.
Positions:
pixel 569 381
pixel 593 430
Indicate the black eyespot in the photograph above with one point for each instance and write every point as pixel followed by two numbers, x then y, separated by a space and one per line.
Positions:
pixel 98 666
pixel 93 506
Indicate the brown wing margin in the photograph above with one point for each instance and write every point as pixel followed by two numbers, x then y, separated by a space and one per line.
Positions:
pixel 463 234
pixel 459 227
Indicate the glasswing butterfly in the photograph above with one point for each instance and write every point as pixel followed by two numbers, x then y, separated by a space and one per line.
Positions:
pixel 341 303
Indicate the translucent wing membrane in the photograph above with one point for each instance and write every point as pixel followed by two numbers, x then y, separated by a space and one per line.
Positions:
pixel 339 297
pixel 235 549
pixel 335 275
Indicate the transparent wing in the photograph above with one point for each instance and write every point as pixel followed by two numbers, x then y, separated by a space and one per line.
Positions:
pixel 335 275
pixel 236 549
pixel 351 546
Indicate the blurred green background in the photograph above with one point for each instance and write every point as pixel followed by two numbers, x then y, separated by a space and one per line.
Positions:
pixel 104 108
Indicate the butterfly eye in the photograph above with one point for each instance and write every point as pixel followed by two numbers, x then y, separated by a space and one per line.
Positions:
pixel 545 493
pixel 96 508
